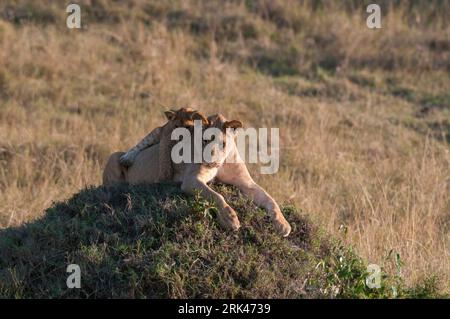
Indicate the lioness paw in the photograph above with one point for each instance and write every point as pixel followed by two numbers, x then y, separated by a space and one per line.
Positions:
pixel 282 227
pixel 228 219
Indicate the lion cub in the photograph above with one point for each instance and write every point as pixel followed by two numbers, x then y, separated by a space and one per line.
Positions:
pixel 184 117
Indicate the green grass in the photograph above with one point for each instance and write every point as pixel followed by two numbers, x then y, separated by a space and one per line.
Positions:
pixel 151 241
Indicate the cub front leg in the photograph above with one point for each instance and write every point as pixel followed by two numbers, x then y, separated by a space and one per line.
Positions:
pixel 152 138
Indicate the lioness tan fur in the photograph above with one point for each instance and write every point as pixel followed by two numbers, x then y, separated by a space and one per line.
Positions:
pixel 184 117
pixel 229 169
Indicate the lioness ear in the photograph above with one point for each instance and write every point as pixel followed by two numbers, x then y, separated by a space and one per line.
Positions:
pixel 170 115
pixel 232 124
pixel 199 116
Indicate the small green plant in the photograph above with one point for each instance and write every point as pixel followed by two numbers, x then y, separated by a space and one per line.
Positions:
pixel 345 276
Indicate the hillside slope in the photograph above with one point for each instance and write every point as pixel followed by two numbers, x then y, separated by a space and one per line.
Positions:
pixel 151 241
pixel 363 114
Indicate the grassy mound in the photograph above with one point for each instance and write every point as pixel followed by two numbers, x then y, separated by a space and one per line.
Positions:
pixel 151 241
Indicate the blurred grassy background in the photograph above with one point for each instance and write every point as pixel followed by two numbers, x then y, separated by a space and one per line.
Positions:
pixel 364 115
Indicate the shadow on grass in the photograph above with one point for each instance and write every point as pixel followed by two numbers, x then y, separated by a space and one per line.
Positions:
pixel 152 241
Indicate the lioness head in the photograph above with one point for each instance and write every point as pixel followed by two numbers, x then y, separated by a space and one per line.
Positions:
pixel 223 142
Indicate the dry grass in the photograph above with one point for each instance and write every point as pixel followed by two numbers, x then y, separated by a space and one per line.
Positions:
pixel 364 115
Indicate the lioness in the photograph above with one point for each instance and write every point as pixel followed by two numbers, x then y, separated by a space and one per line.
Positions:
pixel 229 168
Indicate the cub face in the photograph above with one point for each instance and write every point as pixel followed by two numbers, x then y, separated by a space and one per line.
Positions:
pixel 185 117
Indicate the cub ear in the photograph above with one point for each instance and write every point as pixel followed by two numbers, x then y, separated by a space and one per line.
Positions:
pixel 199 116
pixel 170 115
pixel 232 124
